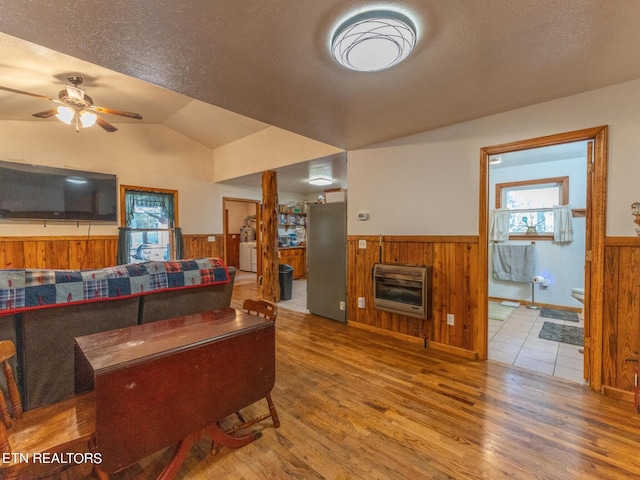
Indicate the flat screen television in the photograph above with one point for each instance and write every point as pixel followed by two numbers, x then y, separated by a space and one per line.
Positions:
pixel 46 193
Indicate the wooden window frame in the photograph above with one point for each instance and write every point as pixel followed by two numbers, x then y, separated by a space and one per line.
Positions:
pixel 562 181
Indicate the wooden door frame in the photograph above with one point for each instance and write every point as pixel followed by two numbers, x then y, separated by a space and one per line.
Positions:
pixel 595 236
pixel 225 227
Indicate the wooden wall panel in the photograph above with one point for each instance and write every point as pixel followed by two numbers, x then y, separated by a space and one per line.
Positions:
pixel 456 285
pixel 610 314
pixel 621 312
pixel 82 253
pixel 453 261
pixel 199 246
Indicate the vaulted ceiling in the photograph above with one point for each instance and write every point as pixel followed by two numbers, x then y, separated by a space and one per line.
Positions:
pixel 217 70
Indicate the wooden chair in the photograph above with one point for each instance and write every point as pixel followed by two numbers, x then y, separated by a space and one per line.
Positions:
pixel 62 431
pixel 266 309
pixel 262 308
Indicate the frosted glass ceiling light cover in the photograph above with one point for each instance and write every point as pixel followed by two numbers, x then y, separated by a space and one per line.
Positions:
pixel 320 181
pixel 88 119
pixel 373 41
pixel 65 114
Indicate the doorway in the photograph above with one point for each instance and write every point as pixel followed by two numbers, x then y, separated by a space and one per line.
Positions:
pixel 241 228
pixel 538 326
pixel 594 239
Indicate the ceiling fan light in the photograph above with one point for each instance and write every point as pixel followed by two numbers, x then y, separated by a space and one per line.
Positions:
pixel 320 181
pixel 66 114
pixel 88 119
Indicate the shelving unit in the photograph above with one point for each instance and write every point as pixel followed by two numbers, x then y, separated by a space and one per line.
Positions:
pixel 291 216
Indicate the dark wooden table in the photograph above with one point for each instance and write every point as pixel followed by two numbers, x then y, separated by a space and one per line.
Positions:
pixel 170 382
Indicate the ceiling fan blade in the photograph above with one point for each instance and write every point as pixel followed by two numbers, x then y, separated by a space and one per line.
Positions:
pixel 43 97
pixel 112 111
pixel 46 113
pixel 105 125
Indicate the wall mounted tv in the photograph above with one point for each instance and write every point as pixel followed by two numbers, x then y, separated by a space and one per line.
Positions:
pixel 46 193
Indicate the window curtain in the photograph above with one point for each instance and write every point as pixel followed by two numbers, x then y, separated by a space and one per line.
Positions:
pixel 499 225
pixel 135 199
pixel 562 223
pixel 124 245
pixel 179 246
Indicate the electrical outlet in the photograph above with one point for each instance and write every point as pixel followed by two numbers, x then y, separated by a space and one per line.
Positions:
pixel 341 305
pixel 211 238
pixel 362 244
pixel 450 319
pixel 360 302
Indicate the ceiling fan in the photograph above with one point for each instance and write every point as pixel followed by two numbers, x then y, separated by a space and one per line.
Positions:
pixel 76 108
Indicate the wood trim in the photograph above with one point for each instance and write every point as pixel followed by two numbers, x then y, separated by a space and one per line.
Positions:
pixel 460 352
pixel 480 333
pixel 542 305
pixel 387 333
pixel 533 238
pixel 548 140
pixel 536 181
pixel 594 305
pixel 66 238
pixel 618 394
pixel 622 242
pixel 417 238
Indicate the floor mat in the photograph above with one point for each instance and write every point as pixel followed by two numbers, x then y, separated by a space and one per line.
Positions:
pixel 559 314
pixel 499 312
pixel 562 333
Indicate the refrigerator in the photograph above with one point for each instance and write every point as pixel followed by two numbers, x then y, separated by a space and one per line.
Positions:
pixel 327 260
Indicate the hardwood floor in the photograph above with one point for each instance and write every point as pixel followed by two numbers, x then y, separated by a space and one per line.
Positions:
pixel 357 405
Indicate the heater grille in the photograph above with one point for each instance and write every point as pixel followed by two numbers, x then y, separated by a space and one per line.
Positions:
pixel 403 289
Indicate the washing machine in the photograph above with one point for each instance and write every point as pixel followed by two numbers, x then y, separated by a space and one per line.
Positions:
pixel 248 257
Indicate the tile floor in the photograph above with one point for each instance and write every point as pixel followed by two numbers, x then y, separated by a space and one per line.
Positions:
pixel 515 341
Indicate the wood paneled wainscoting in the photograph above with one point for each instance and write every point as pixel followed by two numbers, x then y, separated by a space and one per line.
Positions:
pixel 82 252
pixel 621 314
pixel 455 280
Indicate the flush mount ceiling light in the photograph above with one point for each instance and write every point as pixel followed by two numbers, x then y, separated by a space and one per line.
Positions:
pixel 374 40
pixel 320 180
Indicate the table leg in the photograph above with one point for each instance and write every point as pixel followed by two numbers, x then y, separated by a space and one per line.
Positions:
pixel 182 450
pixel 218 437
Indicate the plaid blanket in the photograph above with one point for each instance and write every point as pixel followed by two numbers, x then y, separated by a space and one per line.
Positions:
pixel 22 290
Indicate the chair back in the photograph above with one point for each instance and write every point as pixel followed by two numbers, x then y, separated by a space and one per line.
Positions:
pixel 7 351
pixel 262 308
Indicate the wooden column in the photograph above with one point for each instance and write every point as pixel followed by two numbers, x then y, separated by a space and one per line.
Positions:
pixel 270 278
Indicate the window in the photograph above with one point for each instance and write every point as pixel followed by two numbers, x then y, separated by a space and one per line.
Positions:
pixel 150 219
pixel 530 204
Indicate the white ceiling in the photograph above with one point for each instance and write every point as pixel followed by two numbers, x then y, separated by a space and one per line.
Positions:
pixel 188 65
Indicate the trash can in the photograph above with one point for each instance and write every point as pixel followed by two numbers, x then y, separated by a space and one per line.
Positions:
pixel 285 275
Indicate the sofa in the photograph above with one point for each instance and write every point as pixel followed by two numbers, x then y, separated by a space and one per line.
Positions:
pixel 42 311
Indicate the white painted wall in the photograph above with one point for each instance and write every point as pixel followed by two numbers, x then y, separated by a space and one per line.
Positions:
pixel 142 155
pixel 563 263
pixel 428 184
pixel 270 148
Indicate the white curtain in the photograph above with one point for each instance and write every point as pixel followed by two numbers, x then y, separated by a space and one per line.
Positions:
pixel 499 225
pixel 563 223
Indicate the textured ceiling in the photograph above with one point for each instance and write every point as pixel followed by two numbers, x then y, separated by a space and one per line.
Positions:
pixel 268 61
